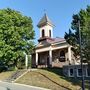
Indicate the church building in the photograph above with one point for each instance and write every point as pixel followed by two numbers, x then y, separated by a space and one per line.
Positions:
pixel 50 51
pixel 55 52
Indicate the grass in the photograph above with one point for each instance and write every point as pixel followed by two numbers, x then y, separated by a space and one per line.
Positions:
pixel 71 83
pixel 5 75
pixel 35 79
pixel 50 78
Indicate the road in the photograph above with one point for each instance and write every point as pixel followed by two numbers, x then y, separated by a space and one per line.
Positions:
pixel 15 86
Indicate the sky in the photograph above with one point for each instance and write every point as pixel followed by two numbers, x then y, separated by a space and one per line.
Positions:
pixel 59 11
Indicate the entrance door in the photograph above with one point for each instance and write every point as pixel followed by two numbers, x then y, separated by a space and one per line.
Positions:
pixel 48 62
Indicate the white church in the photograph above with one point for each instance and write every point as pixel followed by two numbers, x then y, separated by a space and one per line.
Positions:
pixel 54 52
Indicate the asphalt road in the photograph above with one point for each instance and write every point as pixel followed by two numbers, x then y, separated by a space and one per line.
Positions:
pixel 15 86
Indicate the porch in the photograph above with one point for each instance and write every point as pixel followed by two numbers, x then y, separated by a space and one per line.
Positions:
pixel 52 57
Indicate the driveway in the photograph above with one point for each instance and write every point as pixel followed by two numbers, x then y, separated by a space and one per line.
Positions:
pixel 15 86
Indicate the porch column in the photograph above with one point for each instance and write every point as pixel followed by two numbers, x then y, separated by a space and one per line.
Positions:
pixel 36 58
pixel 50 58
pixel 26 61
pixel 69 54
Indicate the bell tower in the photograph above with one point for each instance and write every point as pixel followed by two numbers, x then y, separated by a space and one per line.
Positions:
pixel 46 28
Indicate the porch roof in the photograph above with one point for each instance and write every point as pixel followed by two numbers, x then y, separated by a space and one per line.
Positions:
pixel 51 41
pixel 56 40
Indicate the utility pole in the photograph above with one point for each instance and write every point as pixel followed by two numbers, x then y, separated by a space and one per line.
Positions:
pixel 80 45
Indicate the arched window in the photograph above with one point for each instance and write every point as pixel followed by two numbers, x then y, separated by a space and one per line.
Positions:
pixel 50 33
pixel 43 33
pixel 62 56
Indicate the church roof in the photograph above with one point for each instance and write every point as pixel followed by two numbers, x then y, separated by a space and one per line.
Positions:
pixel 57 40
pixel 44 20
pixel 50 41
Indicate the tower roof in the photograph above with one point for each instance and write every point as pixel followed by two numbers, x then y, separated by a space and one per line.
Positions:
pixel 45 20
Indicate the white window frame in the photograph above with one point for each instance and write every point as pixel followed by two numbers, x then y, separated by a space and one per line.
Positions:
pixel 70 74
pixel 50 33
pixel 43 33
pixel 87 73
pixel 78 73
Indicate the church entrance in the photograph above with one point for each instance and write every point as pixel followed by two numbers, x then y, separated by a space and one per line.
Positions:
pixel 48 61
pixel 43 59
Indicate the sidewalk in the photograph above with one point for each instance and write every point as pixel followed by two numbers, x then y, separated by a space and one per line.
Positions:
pixel 16 86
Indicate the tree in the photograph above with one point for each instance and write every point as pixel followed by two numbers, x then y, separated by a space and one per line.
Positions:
pixel 73 36
pixel 16 36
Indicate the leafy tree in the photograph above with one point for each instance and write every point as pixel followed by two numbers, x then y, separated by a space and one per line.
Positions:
pixel 16 35
pixel 73 36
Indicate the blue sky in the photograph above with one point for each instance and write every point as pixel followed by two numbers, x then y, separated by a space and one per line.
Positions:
pixel 59 11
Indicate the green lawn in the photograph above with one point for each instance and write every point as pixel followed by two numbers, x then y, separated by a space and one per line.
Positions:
pixel 5 75
pixel 50 78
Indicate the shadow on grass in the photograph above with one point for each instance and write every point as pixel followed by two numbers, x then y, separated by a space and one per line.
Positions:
pixel 59 71
pixel 65 88
pixel 74 81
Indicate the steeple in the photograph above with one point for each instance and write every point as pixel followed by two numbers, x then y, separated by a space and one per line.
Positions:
pixel 45 20
pixel 46 28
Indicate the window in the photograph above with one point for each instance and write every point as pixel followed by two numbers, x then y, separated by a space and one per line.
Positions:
pixel 88 72
pixel 71 72
pixel 50 33
pixel 79 73
pixel 62 56
pixel 43 33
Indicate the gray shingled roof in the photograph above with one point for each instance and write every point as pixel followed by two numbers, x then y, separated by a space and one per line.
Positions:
pixel 44 20
pixel 51 41
pixel 56 40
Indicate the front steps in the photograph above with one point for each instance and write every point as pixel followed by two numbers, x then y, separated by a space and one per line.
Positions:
pixel 15 76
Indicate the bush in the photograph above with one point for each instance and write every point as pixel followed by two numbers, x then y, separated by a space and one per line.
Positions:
pixel 3 67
